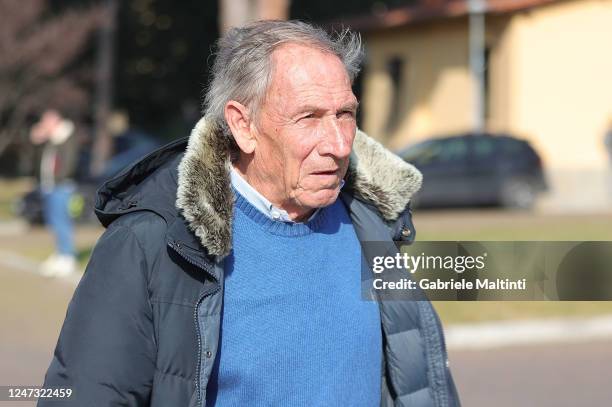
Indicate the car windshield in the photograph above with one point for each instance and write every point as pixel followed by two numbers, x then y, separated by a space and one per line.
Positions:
pixel 419 150
pixel 454 149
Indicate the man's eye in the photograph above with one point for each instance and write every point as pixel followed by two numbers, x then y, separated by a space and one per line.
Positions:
pixel 307 117
pixel 347 114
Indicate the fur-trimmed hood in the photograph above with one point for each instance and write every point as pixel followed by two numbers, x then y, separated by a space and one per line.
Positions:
pixel 204 195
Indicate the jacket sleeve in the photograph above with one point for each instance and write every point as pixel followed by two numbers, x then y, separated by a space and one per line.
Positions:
pixel 69 155
pixel 106 349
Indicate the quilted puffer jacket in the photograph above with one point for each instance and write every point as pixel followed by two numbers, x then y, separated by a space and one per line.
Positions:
pixel 143 326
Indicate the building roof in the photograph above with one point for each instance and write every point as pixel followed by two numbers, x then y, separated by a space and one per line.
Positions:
pixel 427 10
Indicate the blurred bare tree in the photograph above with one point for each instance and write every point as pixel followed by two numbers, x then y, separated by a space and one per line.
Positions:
pixel 234 13
pixel 39 52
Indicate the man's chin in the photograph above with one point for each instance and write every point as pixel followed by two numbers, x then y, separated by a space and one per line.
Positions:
pixel 321 198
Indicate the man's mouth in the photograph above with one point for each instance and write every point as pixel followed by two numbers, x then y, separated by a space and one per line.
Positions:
pixel 329 172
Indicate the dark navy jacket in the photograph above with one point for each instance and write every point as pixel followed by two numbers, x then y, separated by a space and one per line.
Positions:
pixel 143 326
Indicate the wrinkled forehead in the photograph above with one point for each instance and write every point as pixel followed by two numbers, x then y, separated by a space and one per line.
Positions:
pixel 301 72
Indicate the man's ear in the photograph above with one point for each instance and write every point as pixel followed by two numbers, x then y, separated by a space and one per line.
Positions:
pixel 239 122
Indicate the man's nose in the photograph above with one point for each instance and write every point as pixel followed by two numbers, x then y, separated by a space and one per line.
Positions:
pixel 337 140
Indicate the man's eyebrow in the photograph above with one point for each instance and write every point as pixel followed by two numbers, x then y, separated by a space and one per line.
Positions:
pixel 308 108
pixel 354 105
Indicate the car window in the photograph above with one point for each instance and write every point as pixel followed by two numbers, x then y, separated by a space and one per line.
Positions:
pixel 484 147
pixel 510 146
pixel 437 151
pixel 453 149
pixel 418 150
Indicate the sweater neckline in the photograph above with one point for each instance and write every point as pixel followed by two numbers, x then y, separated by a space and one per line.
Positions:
pixel 278 227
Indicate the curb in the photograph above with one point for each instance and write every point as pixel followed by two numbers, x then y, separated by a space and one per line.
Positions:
pixel 528 332
pixel 23 264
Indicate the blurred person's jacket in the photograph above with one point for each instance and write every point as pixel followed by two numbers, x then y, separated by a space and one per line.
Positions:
pixel 608 142
pixel 143 326
pixel 58 157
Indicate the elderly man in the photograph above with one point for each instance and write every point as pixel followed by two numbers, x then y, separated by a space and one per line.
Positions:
pixel 230 272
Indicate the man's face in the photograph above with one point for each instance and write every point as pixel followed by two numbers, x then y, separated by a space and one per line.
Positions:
pixel 305 129
pixel 45 127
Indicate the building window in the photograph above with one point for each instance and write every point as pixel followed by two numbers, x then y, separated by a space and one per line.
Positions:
pixel 395 69
pixel 487 82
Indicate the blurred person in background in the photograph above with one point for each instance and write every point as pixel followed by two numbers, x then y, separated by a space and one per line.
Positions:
pixel 58 162
pixel 129 144
pixel 608 146
pixel 608 140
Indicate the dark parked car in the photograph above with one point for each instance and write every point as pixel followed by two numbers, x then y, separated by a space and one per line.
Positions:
pixel 128 148
pixel 481 169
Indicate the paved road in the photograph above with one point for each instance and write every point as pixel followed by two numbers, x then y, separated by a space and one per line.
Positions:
pixel 545 375
pixel 32 309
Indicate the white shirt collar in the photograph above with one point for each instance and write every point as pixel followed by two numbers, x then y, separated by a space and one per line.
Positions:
pixel 62 132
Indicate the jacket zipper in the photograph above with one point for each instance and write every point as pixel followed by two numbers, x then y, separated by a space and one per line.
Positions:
pixel 445 369
pixel 177 248
pixel 451 391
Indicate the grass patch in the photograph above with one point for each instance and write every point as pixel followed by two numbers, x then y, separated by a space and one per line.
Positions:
pixel 6 210
pixel 11 189
pixel 83 256
pixel 471 225
pixel 513 226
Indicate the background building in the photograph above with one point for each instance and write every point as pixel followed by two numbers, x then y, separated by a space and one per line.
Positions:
pixel 548 79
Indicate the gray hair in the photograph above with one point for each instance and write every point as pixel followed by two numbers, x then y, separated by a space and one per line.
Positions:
pixel 242 69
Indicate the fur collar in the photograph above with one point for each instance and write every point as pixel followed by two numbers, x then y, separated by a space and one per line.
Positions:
pixel 204 195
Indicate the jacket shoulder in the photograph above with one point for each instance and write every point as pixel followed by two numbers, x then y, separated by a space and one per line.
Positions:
pixel 147 229
pixel 145 225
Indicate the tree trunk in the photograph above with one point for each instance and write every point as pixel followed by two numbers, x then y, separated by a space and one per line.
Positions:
pixel 234 13
pixel 104 90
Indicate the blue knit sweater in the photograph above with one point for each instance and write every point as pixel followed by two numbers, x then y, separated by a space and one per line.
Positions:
pixel 295 331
